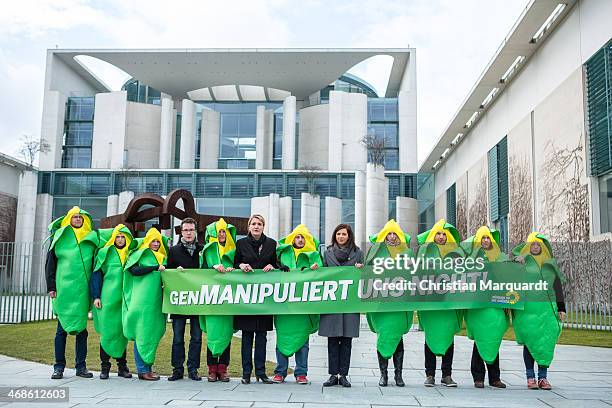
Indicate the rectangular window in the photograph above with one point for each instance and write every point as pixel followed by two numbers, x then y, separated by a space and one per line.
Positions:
pixel 269 184
pixel 598 71
pixel 451 205
pixel 498 180
pixel 78 133
pixel 209 185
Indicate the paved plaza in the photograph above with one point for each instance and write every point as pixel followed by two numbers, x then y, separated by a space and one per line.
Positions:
pixel 581 377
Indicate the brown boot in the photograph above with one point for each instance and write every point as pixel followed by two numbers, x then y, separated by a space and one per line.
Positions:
pixel 212 372
pixel 222 373
pixel 150 376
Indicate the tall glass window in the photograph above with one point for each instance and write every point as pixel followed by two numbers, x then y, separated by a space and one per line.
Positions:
pixel 383 125
pixel 78 133
pixel 139 92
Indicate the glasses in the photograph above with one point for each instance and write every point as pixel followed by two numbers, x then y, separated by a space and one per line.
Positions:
pixel 188 230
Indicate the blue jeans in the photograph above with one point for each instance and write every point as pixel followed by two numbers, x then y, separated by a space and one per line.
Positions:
pixel 141 366
pixel 529 366
pixel 60 349
pixel 301 362
pixel 178 343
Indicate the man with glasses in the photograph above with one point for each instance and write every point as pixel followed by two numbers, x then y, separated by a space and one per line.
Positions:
pixel 185 255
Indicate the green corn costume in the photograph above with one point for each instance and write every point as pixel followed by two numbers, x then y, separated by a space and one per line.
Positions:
pixel 219 329
pixel 486 326
pixel 142 317
pixel 537 326
pixel 293 331
pixel 110 260
pixel 440 326
pixel 75 249
pixel 389 326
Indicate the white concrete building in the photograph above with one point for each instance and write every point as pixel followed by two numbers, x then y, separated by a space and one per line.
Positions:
pixel 276 131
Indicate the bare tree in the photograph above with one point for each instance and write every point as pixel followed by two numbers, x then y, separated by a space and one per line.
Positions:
pixel 311 174
pixel 520 191
pixel 30 147
pixel 462 214
pixel 376 149
pixel 478 210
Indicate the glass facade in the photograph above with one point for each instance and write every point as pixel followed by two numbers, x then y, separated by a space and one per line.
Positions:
pixel 78 133
pixel 139 92
pixel 383 125
pixel 605 203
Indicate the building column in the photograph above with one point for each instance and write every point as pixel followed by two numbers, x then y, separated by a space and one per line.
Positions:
pixel 112 204
pixel 165 134
pixel 188 131
pixel 24 230
pixel 285 216
pixel 333 217
pixel 289 112
pixel 360 209
pixel 124 200
pixel 407 215
pixel 108 147
pixel 209 143
pixel 52 129
pixel 43 217
pixel 407 116
pixel 377 208
pixel 311 213
pixel 262 140
pixel 269 208
pixel 269 139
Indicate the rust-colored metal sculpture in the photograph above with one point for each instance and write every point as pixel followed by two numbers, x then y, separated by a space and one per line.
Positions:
pixel 135 216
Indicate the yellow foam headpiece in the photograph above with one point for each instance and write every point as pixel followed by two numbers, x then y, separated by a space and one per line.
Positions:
pixel 450 245
pixel 123 252
pixel 493 253
pixel 309 244
pixel 85 229
pixel 229 240
pixel 393 226
pixel 152 235
pixel 544 255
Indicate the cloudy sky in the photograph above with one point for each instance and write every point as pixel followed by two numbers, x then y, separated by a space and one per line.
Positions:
pixel 454 42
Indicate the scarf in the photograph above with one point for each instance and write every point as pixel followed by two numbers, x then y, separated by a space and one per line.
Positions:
pixel 342 254
pixel 189 246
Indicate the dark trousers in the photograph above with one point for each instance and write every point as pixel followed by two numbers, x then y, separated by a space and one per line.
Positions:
pixel 105 359
pixel 339 355
pixel 247 352
pixel 60 349
pixel 478 367
pixel 447 361
pixel 224 358
pixel 178 343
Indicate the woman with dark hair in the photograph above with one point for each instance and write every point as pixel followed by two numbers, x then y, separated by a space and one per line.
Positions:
pixel 255 251
pixel 340 328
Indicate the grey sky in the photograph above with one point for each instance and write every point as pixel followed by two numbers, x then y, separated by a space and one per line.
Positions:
pixel 454 42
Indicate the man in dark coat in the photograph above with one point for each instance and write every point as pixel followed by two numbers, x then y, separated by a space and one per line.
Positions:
pixel 185 255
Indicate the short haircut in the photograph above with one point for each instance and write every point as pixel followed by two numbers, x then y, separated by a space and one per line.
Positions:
pixel 258 217
pixel 189 220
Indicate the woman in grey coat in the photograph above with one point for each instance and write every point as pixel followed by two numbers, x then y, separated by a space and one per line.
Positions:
pixel 340 328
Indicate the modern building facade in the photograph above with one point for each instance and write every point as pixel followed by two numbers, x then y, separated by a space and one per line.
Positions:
pixel 273 131
pixel 530 148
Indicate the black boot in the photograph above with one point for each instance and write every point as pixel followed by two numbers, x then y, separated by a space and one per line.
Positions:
pixel 398 362
pixel 383 364
pixel 104 373
pixel 124 371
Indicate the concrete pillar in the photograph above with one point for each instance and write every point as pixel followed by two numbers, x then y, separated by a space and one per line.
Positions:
pixel 273 220
pixel 333 217
pixel 112 204
pixel 108 150
pixel 188 131
pixel 386 200
pixel 348 124
pixel 407 215
pixel 311 213
pixel 377 208
pixel 209 144
pixel 26 206
pixel 289 110
pixel 269 138
pixel 52 129
pixel 260 138
pixel 165 133
pixel 407 115
pixel 124 200
pixel 360 209
pixel 285 216
pixel 336 122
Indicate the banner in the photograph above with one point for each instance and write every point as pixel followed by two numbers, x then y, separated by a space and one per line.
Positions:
pixel 347 290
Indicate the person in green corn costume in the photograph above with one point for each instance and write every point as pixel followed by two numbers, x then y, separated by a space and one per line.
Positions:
pixel 106 288
pixel 440 326
pixel 390 327
pixel 538 326
pixel 68 270
pixel 298 250
pixel 218 253
pixel 486 326
pixel 142 316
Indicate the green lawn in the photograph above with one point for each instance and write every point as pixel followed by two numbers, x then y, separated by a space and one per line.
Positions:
pixel 34 342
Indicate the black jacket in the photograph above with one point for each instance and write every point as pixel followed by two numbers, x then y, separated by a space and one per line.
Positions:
pixel 179 256
pixel 245 253
pixel 51 271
